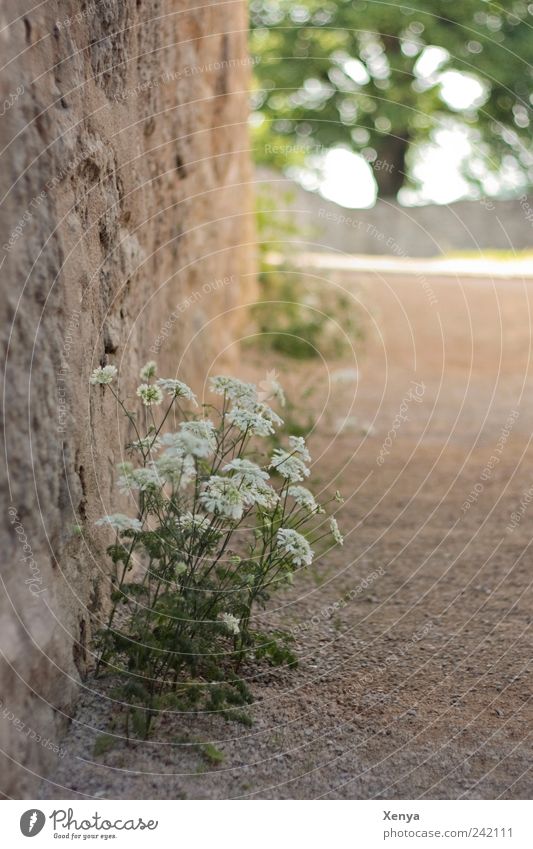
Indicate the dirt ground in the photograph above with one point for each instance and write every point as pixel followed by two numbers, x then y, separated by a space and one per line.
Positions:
pixel 414 639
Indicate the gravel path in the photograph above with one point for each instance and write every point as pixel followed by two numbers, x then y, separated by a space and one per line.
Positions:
pixel 414 639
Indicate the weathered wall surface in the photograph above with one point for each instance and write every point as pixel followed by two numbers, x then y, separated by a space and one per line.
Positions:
pixel 393 230
pixel 125 229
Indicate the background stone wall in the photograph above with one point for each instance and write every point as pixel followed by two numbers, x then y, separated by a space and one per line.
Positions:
pixel 126 235
pixel 390 229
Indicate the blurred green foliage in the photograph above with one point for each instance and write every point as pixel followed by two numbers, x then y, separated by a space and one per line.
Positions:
pixel 296 315
pixel 358 74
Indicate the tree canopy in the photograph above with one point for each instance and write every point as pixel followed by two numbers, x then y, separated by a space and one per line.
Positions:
pixel 372 76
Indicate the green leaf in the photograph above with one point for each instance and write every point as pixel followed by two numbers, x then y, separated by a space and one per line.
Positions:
pixel 104 743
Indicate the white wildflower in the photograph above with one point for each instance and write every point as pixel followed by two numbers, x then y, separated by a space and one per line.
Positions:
pixel 119 522
pixel 146 479
pixel 147 443
pixel 260 493
pixel 143 479
pixel 194 438
pixel 236 390
pixel 195 446
pixel 304 499
pixel 270 388
pixel 299 447
pixel 246 471
pixel 149 395
pixel 174 469
pixel 254 419
pixel 231 622
pixel 289 466
pixel 294 546
pixel 103 375
pixel 203 429
pixel 221 497
pixel 148 370
pixel 198 531
pixel 278 393
pixel 193 522
pixel 252 483
pixel 177 389
pixel 335 531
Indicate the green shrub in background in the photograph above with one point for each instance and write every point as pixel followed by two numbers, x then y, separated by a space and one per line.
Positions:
pixel 296 315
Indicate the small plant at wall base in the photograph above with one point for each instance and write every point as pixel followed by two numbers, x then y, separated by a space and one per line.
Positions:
pixel 296 315
pixel 217 531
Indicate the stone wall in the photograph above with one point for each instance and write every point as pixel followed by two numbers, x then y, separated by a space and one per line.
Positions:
pixel 125 233
pixel 393 230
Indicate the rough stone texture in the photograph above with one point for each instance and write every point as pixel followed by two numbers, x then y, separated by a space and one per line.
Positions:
pixel 125 190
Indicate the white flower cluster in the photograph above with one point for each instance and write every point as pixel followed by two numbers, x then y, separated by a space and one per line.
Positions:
pixel 177 470
pixel 148 370
pixel 298 447
pixel 195 438
pixel 290 467
pixel 119 522
pixel 231 622
pixel 304 499
pixel 140 480
pixel 252 483
pixel 147 443
pixel 214 534
pixel 103 375
pixel 210 518
pixel 221 497
pixel 335 532
pixel 277 392
pixel 291 464
pixel 249 414
pixel 240 484
pixel 271 388
pixel 294 547
pixel 246 471
pixel 150 395
pixel 236 390
pixel 177 389
pixel 255 418
pixel 193 523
